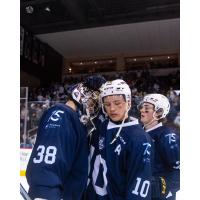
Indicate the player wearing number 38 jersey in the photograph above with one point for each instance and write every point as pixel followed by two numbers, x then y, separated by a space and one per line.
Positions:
pixel 58 166
pixel 120 153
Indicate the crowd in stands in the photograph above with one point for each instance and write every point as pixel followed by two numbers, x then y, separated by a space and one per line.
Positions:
pixel 140 82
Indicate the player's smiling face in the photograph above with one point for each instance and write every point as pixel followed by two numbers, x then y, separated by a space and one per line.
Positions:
pixel 115 106
pixel 146 112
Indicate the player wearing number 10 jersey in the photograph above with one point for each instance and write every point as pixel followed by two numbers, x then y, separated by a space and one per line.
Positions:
pixel 58 166
pixel 120 163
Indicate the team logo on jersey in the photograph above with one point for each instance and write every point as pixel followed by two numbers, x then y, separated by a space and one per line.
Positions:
pixel 55 116
pixel 171 138
pixel 101 143
pixel 52 126
pixel 177 165
pixel 54 119
pixel 147 152
pixel 147 149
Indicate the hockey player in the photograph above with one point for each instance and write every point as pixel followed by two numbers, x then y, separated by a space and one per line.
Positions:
pixel 120 167
pixel 58 166
pixel 153 110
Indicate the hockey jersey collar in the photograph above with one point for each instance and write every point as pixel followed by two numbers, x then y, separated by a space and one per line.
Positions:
pixel 112 125
pixel 155 127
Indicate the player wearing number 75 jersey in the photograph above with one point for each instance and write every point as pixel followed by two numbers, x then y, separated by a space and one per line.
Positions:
pixel 120 163
pixel 58 166
pixel 166 144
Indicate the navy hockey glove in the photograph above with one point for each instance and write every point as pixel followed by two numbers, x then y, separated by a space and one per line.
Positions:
pixel 94 82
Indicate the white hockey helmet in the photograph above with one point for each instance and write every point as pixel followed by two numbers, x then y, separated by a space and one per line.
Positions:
pixel 115 87
pixel 160 102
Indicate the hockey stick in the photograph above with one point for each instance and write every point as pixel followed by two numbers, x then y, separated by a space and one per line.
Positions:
pixel 24 193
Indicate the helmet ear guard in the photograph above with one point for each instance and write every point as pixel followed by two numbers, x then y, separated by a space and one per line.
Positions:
pixel 139 106
pixel 128 105
pixel 159 113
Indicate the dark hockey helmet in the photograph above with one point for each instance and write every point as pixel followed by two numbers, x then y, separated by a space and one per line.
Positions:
pixel 85 99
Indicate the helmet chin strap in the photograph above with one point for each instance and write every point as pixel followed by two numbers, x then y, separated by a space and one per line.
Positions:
pixel 121 125
pixel 93 125
pixel 154 119
pixel 92 128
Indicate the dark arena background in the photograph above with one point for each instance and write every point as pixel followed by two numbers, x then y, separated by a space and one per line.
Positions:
pixel 64 41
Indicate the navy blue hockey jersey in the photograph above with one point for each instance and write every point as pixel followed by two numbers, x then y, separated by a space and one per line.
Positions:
pixel 166 145
pixel 122 170
pixel 58 166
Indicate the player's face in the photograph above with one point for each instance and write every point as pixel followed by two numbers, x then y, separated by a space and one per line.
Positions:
pixel 115 106
pixel 90 102
pixel 91 105
pixel 146 113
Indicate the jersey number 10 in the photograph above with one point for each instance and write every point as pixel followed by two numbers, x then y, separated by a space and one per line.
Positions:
pixel 144 187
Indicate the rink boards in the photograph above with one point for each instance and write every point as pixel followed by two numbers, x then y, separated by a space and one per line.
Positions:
pixel 25 154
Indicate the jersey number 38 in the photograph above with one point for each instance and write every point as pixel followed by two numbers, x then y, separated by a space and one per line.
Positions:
pixel 48 155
